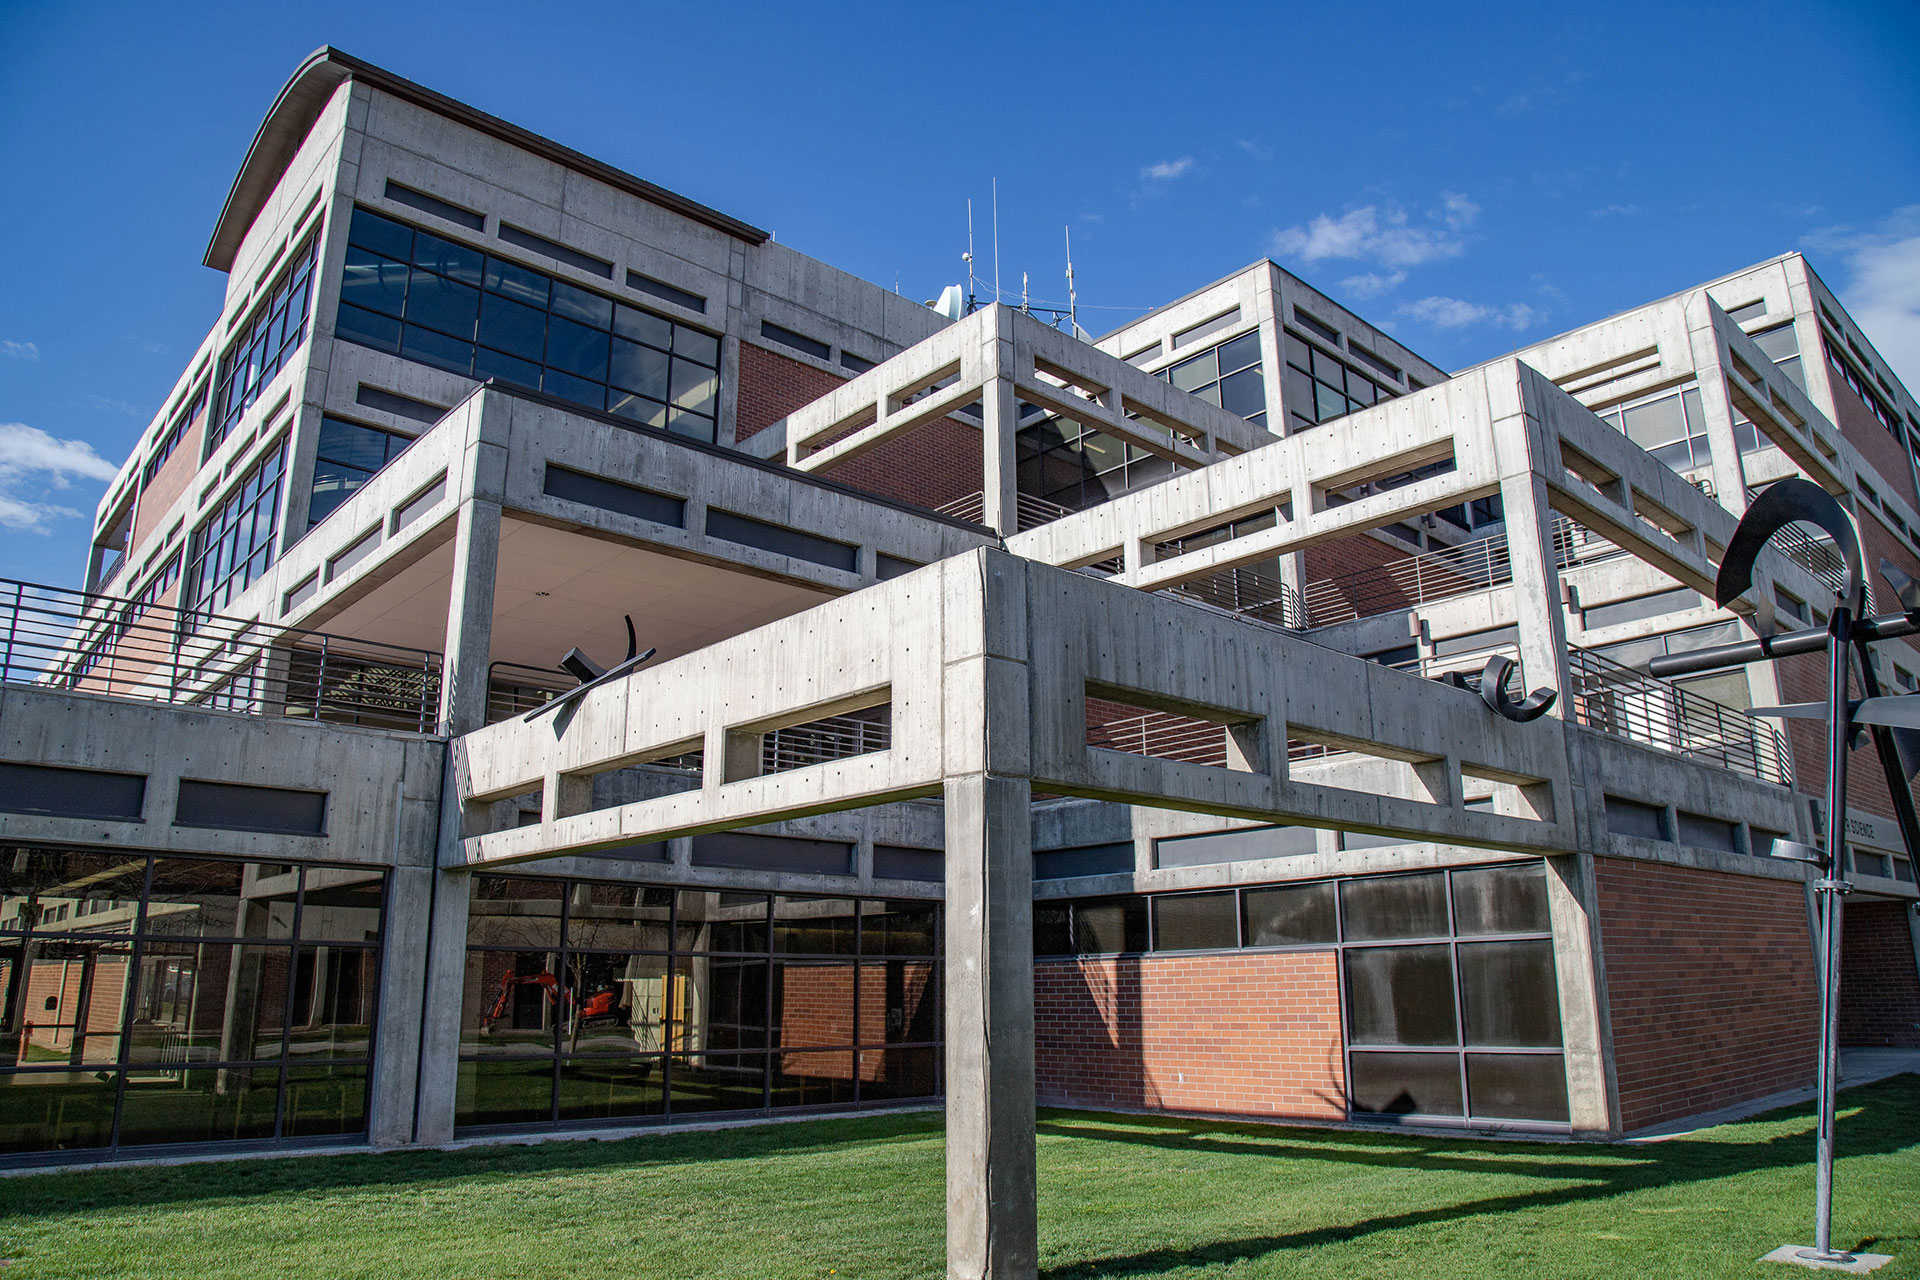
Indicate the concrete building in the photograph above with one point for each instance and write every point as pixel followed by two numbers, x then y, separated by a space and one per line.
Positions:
pixel 1031 721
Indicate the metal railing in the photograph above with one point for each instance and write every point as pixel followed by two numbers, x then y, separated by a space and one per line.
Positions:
pixel 1158 734
pixel 1031 512
pixel 1408 581
pixel 1818 556
pixel 1629 704
pixel 514 689
pixel 92 643
pixel 830 738
pixel 1248 593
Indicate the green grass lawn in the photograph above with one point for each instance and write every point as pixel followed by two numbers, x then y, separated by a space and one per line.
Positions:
pixel 1119 1195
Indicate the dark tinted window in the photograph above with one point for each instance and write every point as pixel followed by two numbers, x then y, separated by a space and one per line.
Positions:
pixel 1195 921
pixel 1378 907
pixel 1501 899
pixel 1400 996
pixel 1291 915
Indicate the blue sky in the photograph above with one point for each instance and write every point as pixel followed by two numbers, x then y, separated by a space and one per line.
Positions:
pixel 1474 178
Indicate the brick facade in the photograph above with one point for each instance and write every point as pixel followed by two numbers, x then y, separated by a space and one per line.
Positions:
pixel 1879 979
pixel 1710 987
pixel 928 467
pixel 1253 1033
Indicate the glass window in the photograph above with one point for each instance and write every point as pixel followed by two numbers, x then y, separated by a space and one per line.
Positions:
pixel 348 456
pixel 1511 899
pixel 236 544
pixel 186 1024
pixel 1291 915
pixel 1400 996
pixel 1378 907
pixel 1195 921
pixel 1518 1086
pixel 1108 927
pixel 1425 1084
pixel 1507 991
pixel 263 345
pixel 431 299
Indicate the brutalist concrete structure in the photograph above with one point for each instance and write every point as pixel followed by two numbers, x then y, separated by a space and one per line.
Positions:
pixel 1032 721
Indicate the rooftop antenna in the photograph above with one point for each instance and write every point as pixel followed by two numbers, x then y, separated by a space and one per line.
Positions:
pixel 967 258
pixel 1026 307
pixel 996 240
pixel 1073 302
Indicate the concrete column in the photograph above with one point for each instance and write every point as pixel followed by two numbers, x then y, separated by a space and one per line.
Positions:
pixel 1000 417
pixel 1580 970
pixel 992 1221
pixel 439 1027
pixel 403 954
pixel 1538 613
pixel 463 670
pixel 1729 472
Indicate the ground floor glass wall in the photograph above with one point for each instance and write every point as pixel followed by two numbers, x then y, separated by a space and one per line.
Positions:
pixel 149 1001
pixel 601 1001
pixel 1450 1000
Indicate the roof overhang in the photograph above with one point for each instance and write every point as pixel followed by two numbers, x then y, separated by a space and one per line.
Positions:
pixel 312 86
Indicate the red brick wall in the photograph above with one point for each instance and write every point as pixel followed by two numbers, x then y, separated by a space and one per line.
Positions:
pixel 1879 984
pixel 1864 432
pixel 1710 987
pixel 1254 1033
pixel 927 467
pixel 816 1011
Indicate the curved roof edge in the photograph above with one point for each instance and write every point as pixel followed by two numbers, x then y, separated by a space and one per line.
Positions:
pixel 312 85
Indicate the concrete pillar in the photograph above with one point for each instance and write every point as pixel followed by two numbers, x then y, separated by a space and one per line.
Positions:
pixel 1580 970
pixel 1538 614
pixel 403 953
pixel 992 1221
pixel 1000 417
pixel 463 670
pixel 439 1026
pixel 1729 472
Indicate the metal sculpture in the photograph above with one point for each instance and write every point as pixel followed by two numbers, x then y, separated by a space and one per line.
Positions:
pixel 590 674
pixel 1891 720
pixel 1491 685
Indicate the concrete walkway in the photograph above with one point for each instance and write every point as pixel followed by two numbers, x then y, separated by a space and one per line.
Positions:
pixel 1857 1066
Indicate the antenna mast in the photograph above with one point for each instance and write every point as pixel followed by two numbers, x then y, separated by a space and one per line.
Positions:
pixel 967 257
pixel 996 240
pixel 1073 302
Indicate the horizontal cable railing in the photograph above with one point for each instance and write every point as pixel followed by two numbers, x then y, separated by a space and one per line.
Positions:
pixel 830 738
pixel 1248 593
pixel 1032 512
pixel 514 689
pixel 91 643
pixel 1629 704
pixel 1408 581
pixel 1818 556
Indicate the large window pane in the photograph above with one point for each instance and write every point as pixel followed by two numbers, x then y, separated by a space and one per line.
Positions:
pixel 374 283
pixel 1509 994
pixel 1517 1086
pixel 719 1003
pixel 576 349
pixel 57 891
pixel 813 926
pixel 507 911
pixel 711 920
pixel 640 369
pixel 1377 907
pixel 522 284
pixel 73 993
pixel 579 305
pixel 1291 915
pixel 202 1002
pixel 812 1079
pixel 195 898
pixel 619 917
pixel 199 1104
pixel 614 1003
pixel 1509 899
pixel 513 327
pixel 899 1073
pixel 901 928
pixel 813 1003
pixel 1195 921
pixel 342 905
pixel 333 1002
pixel 383 235
pixel 446 258
pixel 899 1001
pixel 511 1003
pixel 1102 928
pixel 1400 1084
pixel 323 1101
pixel 611 1088
pixel 718 1082
pixel 504 1091
pixel 1400 995
pixel 56 1110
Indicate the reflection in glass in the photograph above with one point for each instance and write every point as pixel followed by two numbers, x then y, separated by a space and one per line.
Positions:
pixel 720 1003
pixel 510 1004
pixel 812 1079
pixel 325 1100
pixel 1509 899
pixel 899 1001
pixel 1400 995
pixel 899 1073
pixel 1291 915
pixel 608 1088
pixel 714 921
pixel 199 1104
pixel 1509 994
pixel 718 1081
pixel 504 1091
pixel 619 917
pixel 813 926
pixel 68 1001
pixel 614 1004
pixel 1425 1084
pixel 507 911
pixel 55 891
pixel 333 1002
pixel 342 905
pixel 1378 907
pixel 1195 921
pixel 193 898
pixel 1518 1086
pixel 56 1110
pixel 899 929
pixel 813 1003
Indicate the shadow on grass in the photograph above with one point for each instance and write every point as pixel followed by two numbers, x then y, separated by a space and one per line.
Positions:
pixel 1877 1119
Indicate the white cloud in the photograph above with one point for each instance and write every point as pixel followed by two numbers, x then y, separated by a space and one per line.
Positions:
pixel 1384 237
pixel 1883 284
pixel 1255 149
pixel 1372 284
pixel 18 350
pixel 116 406
pixel 1615 211
pixel 34 461
pixel 1167 170
pixel 1456 313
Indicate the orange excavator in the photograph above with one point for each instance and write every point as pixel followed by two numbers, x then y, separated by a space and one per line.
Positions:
pixel 598 1004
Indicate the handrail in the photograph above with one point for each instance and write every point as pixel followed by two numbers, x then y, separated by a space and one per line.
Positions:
pixel 1030 512
pixel 1626 703
pixel 88 642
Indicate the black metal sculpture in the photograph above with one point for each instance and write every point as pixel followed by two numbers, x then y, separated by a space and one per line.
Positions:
pixel 1892 721
pixel 589 673
pixel 1491 685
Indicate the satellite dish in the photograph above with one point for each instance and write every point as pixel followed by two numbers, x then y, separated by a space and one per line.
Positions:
pixel 952 301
